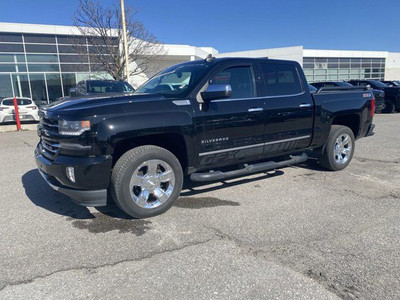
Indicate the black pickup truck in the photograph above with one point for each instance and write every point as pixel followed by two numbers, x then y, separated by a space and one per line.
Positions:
pixel 392 93
pixel 204 120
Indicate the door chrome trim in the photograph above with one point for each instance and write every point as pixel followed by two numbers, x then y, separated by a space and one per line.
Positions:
pixel 181 102
pixel 288 140
pixel 305 105
pixel 253 146
pixel 230 149
pixel 255 109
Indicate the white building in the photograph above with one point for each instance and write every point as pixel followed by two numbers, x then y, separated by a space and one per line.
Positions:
pixel 40 62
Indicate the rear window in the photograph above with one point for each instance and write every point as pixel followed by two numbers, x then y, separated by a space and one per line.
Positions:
pixel 10 102
pixel 280 79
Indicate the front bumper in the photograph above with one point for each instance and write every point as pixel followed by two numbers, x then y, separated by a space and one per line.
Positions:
pixel 23 118
pixel 92 176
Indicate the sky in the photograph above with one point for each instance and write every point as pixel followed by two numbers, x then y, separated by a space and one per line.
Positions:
pixel 245 24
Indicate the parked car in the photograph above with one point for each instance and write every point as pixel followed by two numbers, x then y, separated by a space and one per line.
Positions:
pixel 379 94
pixel 27 109
pixel 91 87
pixel 392 94
pixel 207 120
pixel 391 82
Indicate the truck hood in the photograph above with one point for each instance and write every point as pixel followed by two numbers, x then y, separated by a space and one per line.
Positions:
pixel 100 105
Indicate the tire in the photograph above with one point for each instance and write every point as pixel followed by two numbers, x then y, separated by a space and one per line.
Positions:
pixel 334 155
pixel 146 181
pixel 389 106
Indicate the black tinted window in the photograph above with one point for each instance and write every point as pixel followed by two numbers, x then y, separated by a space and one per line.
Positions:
pixel 10 102
pixel 10 37
pixel 241 80
pixel 280 79
pixel 39 38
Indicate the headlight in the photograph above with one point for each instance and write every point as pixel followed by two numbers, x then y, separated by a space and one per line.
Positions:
pixel 73 127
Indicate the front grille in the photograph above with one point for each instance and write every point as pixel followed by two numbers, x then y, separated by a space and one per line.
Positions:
pixel 48 124
pixel 49 148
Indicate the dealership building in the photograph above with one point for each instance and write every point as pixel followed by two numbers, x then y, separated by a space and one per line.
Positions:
pixel 42 63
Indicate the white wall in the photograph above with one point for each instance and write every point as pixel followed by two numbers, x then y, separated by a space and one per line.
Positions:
pixel 392 70
pixel 287 53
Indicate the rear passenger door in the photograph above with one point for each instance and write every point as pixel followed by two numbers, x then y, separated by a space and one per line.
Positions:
pixel 288 108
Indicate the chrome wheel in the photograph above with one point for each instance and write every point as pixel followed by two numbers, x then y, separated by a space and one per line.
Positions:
pixel 342 150
pixel 152 183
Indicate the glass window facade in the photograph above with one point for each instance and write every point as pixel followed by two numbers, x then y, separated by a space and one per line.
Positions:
pixel 44 67
pixel 343 68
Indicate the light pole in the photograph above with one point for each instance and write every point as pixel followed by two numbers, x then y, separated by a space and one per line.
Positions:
pixel 125 40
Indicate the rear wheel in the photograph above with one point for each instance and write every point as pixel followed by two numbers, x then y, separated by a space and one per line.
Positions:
pixel 389 106
pixel 339 148
pixel 146 181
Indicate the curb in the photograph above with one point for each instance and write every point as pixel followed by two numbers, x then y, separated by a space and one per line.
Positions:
pixel 13 127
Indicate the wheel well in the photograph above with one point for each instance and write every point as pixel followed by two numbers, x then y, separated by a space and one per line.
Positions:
pixel 351 121
pixel 174 143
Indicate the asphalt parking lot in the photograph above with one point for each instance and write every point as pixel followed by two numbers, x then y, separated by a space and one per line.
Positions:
pixel 296 233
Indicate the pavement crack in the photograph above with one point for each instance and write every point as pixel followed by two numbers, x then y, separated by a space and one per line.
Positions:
pixel 95 268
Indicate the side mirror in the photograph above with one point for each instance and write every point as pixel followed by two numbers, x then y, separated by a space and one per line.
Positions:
pixel 217 91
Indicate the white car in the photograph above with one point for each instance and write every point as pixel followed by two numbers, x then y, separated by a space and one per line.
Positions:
pixel 28 110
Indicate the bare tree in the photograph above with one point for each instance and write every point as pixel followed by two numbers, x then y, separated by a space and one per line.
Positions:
pixel 101 27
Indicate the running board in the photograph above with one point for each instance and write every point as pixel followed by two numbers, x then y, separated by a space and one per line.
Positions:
pixel 248 169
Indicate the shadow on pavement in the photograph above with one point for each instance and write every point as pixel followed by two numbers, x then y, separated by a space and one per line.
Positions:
pixel 44 196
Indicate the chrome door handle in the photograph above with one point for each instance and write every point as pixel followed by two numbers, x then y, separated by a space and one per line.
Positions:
pixel 255 109
pixel 305 105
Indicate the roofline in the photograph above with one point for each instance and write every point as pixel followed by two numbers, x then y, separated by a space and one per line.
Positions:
pixel 38 28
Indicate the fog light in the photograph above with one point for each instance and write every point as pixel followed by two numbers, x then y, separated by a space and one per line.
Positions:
pixel 71 173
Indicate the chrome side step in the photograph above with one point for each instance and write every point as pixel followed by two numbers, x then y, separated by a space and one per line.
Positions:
pixel 248 169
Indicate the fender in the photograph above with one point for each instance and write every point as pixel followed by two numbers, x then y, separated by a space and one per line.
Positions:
pixel 328 108
pixel 115 129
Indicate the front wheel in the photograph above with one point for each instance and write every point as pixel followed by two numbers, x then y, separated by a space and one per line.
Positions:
pixel 146 181
pixel 339 148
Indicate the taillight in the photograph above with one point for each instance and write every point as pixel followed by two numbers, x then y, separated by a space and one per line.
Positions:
pixel 372 107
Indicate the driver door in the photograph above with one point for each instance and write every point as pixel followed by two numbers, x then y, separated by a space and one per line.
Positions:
pixel 231 130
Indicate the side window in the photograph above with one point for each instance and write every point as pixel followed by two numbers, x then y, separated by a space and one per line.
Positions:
pixel 362 83
pixel 280 79
pixel 241 80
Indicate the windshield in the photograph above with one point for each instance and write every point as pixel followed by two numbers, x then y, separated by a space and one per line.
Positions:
pixel 378 83
pixel 95 87
pixel 176 81
pixel 340 83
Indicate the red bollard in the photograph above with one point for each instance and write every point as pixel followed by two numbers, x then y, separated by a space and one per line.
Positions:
pixel 17 114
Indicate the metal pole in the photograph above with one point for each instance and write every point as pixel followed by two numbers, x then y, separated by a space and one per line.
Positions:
pixel 125 40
